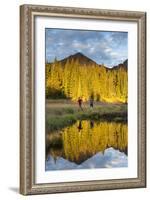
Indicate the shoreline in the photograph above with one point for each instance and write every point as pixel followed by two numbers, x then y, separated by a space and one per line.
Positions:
pixel 59 115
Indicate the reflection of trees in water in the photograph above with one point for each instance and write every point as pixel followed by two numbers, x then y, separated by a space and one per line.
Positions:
pixel 94 137
pixel 79 126
pixel 91 124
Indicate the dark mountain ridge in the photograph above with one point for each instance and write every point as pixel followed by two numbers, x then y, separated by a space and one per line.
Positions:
pixel 123 65
pixel 81 58
pixel 86 61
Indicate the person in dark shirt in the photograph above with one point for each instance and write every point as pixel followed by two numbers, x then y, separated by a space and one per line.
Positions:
pixel 91 102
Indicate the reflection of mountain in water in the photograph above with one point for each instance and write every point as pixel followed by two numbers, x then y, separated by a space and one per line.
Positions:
pixel 111 158
pixel 83 140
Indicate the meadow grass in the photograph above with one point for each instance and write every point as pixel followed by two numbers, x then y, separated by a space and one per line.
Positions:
pixel 61 114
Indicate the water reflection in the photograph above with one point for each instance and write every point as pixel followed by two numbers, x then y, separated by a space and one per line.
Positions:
pixel 91 124
pixel 87 144
pixel 80 126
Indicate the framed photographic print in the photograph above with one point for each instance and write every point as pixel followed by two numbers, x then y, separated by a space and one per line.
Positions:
pixel 82 99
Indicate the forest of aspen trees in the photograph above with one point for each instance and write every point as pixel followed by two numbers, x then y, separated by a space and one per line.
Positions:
pixel 73 80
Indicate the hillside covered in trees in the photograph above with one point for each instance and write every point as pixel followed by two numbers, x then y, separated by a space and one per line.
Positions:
pixel 79 76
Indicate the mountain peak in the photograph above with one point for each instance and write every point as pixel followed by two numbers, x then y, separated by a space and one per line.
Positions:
pixel 78 54
pixel 80 57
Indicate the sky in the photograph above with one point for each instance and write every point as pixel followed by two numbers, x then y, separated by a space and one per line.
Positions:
pixel 108 48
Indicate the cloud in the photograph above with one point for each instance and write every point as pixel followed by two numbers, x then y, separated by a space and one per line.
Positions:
pixel 108 48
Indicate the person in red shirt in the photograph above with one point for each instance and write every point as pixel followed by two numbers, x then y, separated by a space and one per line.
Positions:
pixel 80 103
